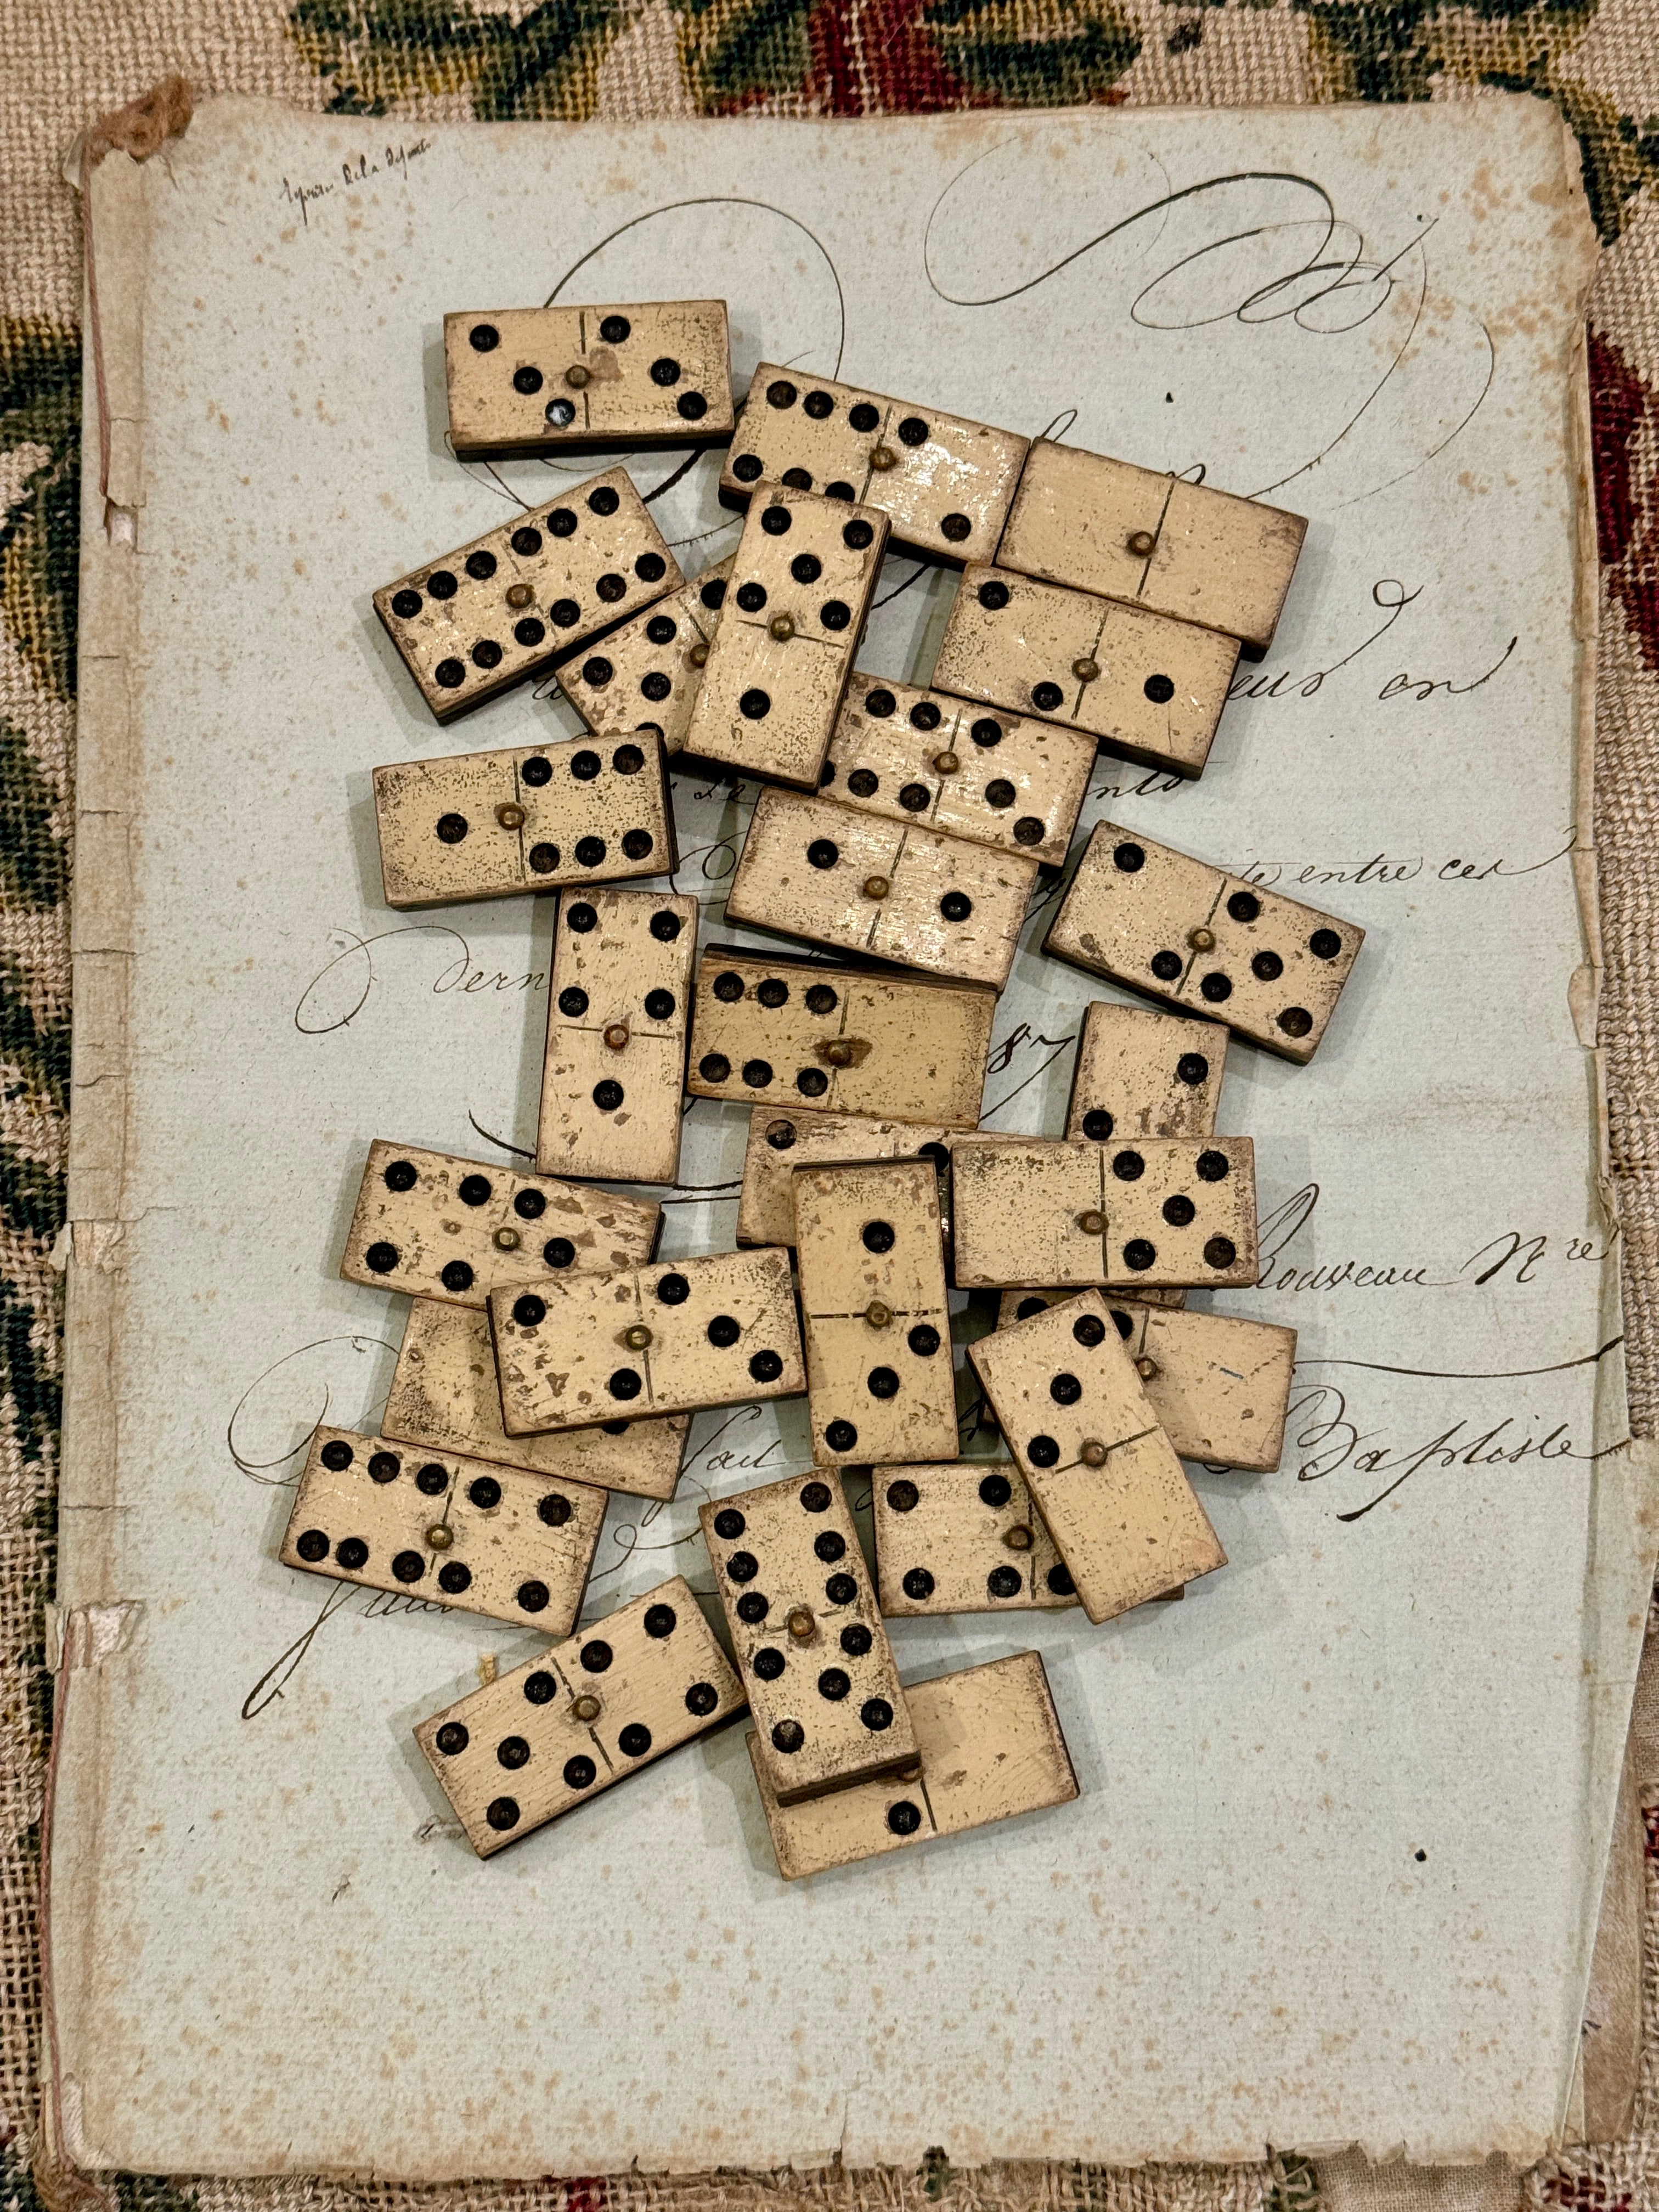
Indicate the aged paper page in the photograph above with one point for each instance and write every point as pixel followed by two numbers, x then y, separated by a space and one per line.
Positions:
pixel 1334 1872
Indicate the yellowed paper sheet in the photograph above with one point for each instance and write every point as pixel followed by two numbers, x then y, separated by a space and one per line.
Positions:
pixel 1332 1872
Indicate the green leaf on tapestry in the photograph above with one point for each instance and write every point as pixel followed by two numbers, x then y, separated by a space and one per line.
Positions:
pixel 1034 53
pixel 34 864
pixel 756 45
pixel 373 54
pixel 40 525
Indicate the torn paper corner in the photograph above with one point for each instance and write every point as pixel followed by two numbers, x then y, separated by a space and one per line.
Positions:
pixel 90 1634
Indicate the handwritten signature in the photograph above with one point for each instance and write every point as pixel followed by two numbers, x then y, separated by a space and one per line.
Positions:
pixel 357 171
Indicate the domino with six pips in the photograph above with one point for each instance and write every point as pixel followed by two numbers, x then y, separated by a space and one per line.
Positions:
pixel 547 1359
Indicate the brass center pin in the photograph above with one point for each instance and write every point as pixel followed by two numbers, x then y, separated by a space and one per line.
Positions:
pixel 577 377
pixel 1148 1370
pixel 519 595
pixel 883 457
pixel 638 1338
pixel 800 1623
pixel 781 627
pixel 1018 1538
pixel 1092 1224
pixel 587 1707
pixel 946 763
pixel 698 655
pixel 510 817
pixel 1085 670
pixel 876 887
pixel 877 1314
pixel 1093 1454
pixel 506 1238
pixel 1142 543
pixel 616 1035
pixel 439 1536
pixel 1201 940
pixel 837 1052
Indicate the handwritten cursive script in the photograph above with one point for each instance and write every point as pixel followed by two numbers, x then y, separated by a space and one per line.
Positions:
pixel 394 160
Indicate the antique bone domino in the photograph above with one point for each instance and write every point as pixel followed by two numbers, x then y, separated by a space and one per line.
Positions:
pixel 1164 1209
pixel 807 1036
pixel 528 379
pixel 439 1227
pixel 534 819
pixel 1140 684
pixel 944 481
pixel 922 756
pixel 715 1331
pixel 1220 1385
pixel 988 1748
pixel 778 1143
pixel 502 606
pixel 1153 540
pixel 858 882
pixel 1140 1073
pixel 875 1314
pixel 1104 1475
pixel 614 1072
pixel 963 1536
pixel 588 1712
pixel 794 611
pixel 816 1663
pixel 646 674
pixel 445 1396
pixel 454 1531
pixel 1177 929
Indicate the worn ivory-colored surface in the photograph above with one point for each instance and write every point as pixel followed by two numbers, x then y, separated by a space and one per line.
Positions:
pixel 444 1393
pixel 249 1015
pixel 922 756
pixel 780 1028
pixel 875 1316
pixel 458 1532
pixel 1272 967
pixel 1145 687
pixel 794 612
pixel 525 379
pixel 646 674
pixel 1161 1210
pixel 714 1331
pixel 487 825
pixel 618 1015
pixel 944 483
pixel 1103 1473
pixel 800 1607
pixel 961 1536
pixel 1186 549
pixel 857 883
pixel 575 1718
pixel 484 616
pixel 989 1746
pixel 1220 1384
pixel 1140 1073
pixel 439 1227
pixel 781 1142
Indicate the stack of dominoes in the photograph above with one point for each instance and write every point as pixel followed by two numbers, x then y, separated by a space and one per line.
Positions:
pixel 549 1358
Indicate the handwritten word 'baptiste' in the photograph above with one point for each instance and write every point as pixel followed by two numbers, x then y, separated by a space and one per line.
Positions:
pixel 357 171
pixel 1318 1424
pixel 1391 596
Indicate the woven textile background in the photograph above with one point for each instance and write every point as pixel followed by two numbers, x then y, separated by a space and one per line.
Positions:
pixel 64 63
